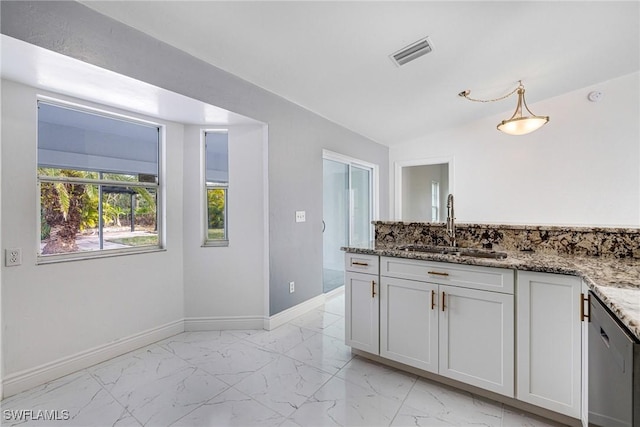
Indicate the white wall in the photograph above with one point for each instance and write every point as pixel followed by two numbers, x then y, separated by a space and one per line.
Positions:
pixel 582 168
pixel 62 309
pixel 225 287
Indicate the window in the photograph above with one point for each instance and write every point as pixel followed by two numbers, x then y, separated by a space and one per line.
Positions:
pixel 98 178
pixel 216 183
pixel 435 201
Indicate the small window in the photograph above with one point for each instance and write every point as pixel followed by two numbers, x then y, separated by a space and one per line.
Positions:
pixel 98 178
pixel 435 201
pixel 216 159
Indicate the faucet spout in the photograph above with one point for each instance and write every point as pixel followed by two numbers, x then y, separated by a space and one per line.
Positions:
pixel 451 222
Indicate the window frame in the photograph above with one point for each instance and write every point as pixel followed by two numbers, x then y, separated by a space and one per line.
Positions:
pixel 207 242
pixel 158 186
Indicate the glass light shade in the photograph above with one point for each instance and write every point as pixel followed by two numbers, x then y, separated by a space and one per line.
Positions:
pixel 519 124
pixel 522 125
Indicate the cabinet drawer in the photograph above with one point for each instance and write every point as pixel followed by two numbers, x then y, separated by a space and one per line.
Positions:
pixel 467 276
pixel 362 263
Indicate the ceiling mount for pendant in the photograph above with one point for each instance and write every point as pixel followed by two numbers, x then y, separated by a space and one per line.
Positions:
pixel 517 124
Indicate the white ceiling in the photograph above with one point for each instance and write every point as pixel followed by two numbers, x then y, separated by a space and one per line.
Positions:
pixel 332 57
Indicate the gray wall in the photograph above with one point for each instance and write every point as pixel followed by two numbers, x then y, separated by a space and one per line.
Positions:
pixel 296 136
pixel 416 191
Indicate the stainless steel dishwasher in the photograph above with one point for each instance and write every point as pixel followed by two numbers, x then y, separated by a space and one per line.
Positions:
pixel 614 371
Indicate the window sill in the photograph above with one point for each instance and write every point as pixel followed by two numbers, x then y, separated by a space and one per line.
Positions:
pixel 215 244
pixel 81 256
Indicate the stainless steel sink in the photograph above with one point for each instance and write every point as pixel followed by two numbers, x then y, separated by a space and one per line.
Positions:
pixel 482 253
pixel 448 250
pixel 430 249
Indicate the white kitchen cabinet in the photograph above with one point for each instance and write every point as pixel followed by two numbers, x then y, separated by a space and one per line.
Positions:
pixel 362 312
pixel 585 318
pixel 477 338
pixel 549 341
pixel 470 338
pixel 409 322
pixel 361 263
pixel 447 273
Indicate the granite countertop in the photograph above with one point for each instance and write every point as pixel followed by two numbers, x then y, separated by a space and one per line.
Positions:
pixel 616 282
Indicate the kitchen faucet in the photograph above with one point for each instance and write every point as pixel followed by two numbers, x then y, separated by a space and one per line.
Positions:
pixel 451 225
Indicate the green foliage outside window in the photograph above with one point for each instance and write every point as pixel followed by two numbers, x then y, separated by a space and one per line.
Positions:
pixel 216 210
pixel 69 208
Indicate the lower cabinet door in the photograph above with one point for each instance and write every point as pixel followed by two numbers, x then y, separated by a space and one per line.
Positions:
pixel 477 338
pixel 409 322
pixel 362 313
pixel 549 341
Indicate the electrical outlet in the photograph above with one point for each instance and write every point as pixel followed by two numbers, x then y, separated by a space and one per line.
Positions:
pixel 301 216
pixel 12 257
pixel 292 287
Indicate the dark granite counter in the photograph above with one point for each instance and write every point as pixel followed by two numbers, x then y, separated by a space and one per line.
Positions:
pixel 616 281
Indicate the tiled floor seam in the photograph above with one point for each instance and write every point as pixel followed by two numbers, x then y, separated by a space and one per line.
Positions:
pixel 112 396
pixel 415 380
pixel 213 397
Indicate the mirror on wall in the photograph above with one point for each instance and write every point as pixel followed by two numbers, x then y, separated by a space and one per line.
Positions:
pixel 423 192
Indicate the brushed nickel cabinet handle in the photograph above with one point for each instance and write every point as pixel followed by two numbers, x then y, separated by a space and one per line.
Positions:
pixel 437 273
pixel 364 264
pixel 373 289
pixel 433 299
pixel 442 300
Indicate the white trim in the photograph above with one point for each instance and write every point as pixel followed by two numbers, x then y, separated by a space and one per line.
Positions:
pixel 398 165
pixel 219 323
pixel 291 313
pixel 32 377
pixel 266 272
pixel 334 293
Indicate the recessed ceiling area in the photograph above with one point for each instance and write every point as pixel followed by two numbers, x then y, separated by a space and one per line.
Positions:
pixel 333 57
pixel 50 71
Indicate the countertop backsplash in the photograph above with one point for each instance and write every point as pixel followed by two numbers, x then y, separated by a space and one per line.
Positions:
pixel 556 240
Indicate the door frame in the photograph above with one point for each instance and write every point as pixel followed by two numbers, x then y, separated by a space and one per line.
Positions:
pixel 401 164
pixel 375 179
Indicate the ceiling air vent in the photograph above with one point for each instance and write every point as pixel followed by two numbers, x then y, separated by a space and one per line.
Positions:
pixel 411 52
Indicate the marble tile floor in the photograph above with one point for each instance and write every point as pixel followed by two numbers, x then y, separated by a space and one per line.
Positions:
pixel 300 374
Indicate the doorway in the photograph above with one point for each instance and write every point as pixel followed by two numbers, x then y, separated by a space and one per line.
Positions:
pixel 421 189
pixel 348 209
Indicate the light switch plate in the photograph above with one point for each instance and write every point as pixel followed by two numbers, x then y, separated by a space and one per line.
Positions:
pixel 301 216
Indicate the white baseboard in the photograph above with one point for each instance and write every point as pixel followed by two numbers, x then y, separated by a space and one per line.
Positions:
pixel 218 323
pixel 33 377
pixel 334 293
pixel 291 313
pixel 24 380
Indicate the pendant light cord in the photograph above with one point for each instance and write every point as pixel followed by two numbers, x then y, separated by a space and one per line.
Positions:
pixel 466 93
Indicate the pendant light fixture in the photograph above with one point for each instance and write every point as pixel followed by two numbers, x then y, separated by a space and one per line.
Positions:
pixel 517 124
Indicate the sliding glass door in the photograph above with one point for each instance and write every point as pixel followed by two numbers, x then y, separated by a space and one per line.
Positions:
pixel 360 205
pixel 347 214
